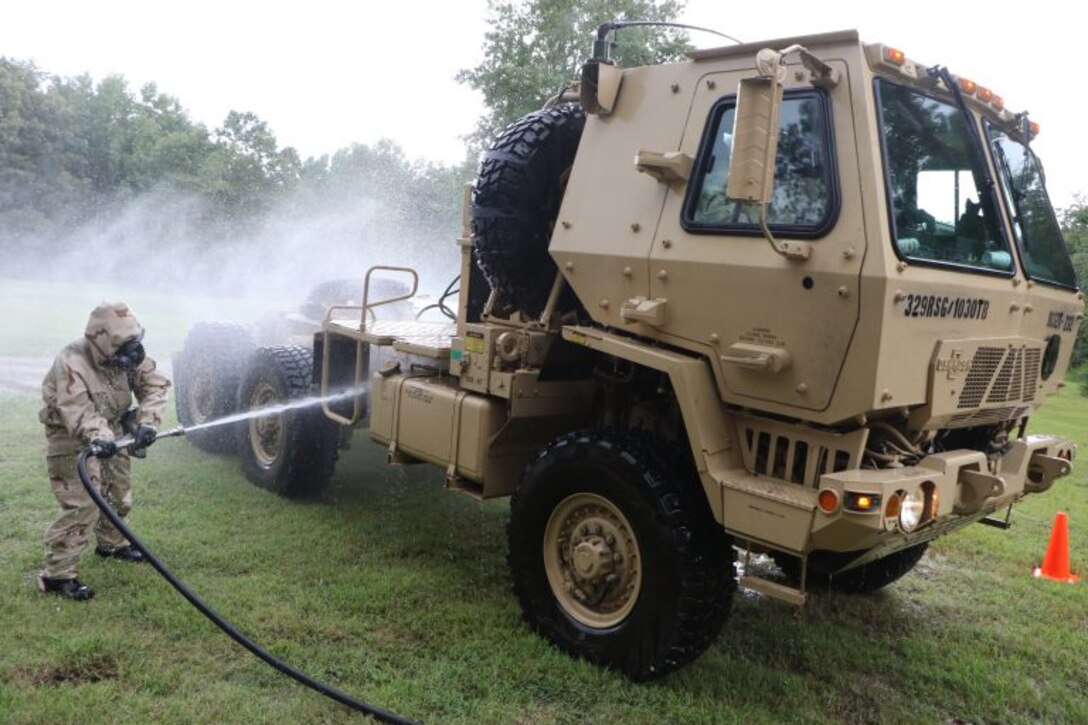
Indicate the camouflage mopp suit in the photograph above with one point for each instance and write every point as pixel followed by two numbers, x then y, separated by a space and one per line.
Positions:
pixel 86 393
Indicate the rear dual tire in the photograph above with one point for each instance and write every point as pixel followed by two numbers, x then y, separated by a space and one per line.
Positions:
pixel 207 372
pixel 291 452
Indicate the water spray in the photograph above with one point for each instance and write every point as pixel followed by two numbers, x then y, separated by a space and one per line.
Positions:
pixel 301 677
pixel 129 425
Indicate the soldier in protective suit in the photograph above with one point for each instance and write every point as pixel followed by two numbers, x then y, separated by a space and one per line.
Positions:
pixel 87 393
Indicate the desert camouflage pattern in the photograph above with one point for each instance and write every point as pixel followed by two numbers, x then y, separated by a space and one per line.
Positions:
pixel 84 398
pixel 110 326
pixel 68 537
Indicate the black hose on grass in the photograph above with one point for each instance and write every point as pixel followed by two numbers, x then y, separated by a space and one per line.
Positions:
pixel 297 675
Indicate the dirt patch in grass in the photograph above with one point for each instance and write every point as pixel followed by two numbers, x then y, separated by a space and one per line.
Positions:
pixel 79 672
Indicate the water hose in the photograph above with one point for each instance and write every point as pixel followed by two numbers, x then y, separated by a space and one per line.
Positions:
pixel 299 676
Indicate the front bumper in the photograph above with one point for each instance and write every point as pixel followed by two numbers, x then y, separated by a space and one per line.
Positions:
pixel 956 487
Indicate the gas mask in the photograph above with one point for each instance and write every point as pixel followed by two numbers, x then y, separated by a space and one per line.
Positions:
pixel 129 355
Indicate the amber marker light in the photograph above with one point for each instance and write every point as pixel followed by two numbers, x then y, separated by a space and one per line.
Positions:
pixel 933 502
pixel 891 508
pixel 984 94
pixel 864 502
pixel 967 86
pixel 894 55
pixel 828 500
pixel 1034 129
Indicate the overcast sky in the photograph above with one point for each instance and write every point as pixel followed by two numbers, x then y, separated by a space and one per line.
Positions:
pixel 324 74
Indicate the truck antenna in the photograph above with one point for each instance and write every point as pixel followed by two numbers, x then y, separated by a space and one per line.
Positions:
pixel 602 48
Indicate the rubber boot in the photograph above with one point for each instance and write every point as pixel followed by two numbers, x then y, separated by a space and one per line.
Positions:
pixel 127 553
pixel 72 589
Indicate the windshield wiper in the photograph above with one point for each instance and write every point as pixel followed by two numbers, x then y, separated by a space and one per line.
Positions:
pixel 1016 194
pixel 987 186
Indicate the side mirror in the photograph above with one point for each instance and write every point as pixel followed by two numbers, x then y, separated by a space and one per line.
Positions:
pixel 755 131
pixel 599 87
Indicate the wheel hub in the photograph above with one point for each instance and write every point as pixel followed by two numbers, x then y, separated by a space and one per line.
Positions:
pixel 592 560
pixel 201 392
pixel 266 432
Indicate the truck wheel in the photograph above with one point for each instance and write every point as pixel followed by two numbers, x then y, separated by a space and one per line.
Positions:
pixel 859 580
pixel 515 204
pixel 290 452
pixel 206 376
pixel 615 555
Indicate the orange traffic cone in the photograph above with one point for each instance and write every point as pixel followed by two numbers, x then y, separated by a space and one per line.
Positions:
pixel 1056 564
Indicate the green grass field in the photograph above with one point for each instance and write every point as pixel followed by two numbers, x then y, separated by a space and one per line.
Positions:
pixel 397 592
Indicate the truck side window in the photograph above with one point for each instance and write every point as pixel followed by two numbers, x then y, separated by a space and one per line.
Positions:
pixel 933 181
pixel 805 193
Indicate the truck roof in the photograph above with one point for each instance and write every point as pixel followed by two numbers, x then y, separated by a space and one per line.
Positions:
pixel 725 51
pixel 883 60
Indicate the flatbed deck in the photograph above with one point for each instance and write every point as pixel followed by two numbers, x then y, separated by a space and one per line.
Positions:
pixel 414 337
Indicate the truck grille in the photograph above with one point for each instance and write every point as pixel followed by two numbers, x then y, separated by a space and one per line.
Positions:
pixel 987 416
pixel 797 454
pixel 1001 375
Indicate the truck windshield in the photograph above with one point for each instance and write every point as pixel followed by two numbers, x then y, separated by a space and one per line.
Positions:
pixel 933 182
pixel 1042 249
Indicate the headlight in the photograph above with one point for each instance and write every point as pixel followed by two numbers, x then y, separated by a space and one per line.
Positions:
pixel 911 510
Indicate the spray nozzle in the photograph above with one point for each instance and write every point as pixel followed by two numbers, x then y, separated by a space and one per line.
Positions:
pixel 108 449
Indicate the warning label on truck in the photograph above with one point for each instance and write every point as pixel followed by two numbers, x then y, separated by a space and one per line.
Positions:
pixel 474 342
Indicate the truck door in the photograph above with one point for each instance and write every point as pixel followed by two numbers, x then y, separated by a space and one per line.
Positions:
pixel 724 284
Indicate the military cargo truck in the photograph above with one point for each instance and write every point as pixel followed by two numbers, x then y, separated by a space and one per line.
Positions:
pixel 799 297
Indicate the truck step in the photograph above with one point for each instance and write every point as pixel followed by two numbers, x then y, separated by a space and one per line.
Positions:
pixel 997 523
pixel 465 486
pixel 774 590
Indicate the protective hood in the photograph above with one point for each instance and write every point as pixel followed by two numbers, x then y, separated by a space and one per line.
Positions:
pixel 111 325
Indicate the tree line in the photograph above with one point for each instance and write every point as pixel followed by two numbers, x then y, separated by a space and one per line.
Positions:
pixel 1074 223
pixel 74 152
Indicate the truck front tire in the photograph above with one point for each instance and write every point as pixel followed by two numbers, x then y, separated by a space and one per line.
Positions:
pixel 859 580
pixel 615 555
pixel 291 452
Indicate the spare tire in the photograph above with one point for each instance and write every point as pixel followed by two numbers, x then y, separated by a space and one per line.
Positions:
pixel 332 292
pixel 350 292
pixel 207 372
pixel 515 204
